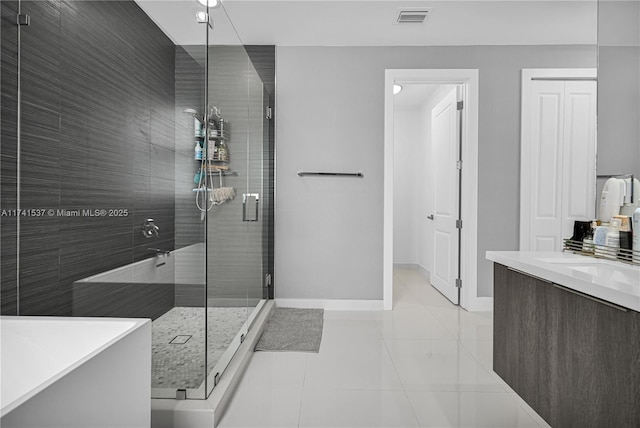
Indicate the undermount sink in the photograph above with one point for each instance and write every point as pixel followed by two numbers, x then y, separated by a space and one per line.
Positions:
pixel 607 269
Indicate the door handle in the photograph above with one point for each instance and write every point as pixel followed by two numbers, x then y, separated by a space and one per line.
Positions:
pixel 430 217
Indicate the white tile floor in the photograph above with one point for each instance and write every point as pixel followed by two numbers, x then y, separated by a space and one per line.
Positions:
pixel 427 363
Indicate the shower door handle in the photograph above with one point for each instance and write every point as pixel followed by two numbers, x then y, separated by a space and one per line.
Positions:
pixel 250 205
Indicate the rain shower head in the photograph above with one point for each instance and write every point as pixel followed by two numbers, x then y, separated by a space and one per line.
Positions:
pixel 193 113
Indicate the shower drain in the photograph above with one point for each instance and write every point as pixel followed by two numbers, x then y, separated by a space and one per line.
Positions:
pixel 180 339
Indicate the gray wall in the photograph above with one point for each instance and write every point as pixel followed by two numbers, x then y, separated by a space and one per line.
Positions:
pixel 331 117
pixel 619 87
pixel 97 133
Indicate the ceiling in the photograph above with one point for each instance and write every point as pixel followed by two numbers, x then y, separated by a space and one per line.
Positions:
pixel 373 22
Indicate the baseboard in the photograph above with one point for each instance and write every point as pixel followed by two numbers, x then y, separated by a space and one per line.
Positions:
pixel 167 413
pixel 332 304
pixel 479 304
pixel 412 266
pixel 424 272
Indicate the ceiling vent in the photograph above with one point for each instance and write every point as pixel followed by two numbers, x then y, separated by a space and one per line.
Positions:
pixel 413 16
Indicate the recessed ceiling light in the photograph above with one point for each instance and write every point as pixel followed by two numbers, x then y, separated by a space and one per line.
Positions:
pixel 202 17
pixel 396 89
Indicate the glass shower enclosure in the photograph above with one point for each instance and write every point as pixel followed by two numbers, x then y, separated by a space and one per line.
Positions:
pixel 136 174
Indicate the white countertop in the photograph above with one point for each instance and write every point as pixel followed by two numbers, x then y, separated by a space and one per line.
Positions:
pixel 608 280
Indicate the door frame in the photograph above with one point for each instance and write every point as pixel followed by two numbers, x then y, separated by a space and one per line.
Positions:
pixel 528 75
pixel 469 79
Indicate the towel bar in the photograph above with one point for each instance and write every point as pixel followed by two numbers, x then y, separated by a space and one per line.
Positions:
pixel 330 174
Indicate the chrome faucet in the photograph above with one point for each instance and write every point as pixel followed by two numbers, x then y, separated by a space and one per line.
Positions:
pixel 158 252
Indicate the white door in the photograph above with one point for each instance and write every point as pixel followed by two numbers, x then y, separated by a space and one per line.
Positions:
pixel 579 155
pixel 444 157
pixel 558 162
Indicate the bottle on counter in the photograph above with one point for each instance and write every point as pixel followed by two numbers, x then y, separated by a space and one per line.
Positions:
pixel 612 240
pixel 599 240
pixel 587 243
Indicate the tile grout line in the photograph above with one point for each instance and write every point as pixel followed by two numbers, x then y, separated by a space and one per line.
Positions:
pixel 404 388
pixel 304 379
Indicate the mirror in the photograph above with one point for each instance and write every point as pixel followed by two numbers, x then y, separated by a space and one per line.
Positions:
pixel 618 89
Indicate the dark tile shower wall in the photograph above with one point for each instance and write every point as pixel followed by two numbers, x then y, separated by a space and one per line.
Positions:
pixel 190 79
pixel 98 101
pixel 8 154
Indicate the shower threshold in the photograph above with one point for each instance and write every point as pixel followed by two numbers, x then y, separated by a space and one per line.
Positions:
pixel 169 413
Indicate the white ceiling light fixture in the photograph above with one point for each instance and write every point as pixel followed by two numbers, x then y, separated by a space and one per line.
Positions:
pixel 209 3
pixel 396 89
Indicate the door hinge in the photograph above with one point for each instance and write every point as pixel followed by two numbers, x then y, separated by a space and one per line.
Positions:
pixel 268 113
pixel 459 164
pixel 460 105
pixel 267 280
pixel 24 19
pixel 458 283
pixel 458 224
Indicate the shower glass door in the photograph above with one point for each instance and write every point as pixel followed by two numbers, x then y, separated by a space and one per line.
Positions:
pixel 235 221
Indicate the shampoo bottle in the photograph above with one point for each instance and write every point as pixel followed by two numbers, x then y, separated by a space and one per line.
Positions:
pixel 198 151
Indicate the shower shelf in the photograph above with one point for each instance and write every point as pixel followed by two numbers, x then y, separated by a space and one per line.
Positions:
pixel 225 172
pixel 225 136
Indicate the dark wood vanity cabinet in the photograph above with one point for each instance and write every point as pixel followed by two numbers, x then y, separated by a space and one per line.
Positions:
pixel 574 359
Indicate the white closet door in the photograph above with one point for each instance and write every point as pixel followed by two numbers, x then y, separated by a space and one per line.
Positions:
pixel 560 159
pixel 578 178
pixel 546 158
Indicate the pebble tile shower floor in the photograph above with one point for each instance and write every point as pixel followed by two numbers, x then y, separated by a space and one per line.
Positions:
pixel 181 364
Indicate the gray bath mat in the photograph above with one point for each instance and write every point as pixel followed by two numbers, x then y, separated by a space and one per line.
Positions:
pixel 291 329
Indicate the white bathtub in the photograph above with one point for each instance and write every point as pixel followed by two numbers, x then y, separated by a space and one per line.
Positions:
pixel 75 372
pixel 182 266
pixel 147 288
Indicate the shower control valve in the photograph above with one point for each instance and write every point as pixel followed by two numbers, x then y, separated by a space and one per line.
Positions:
pixel 149 229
